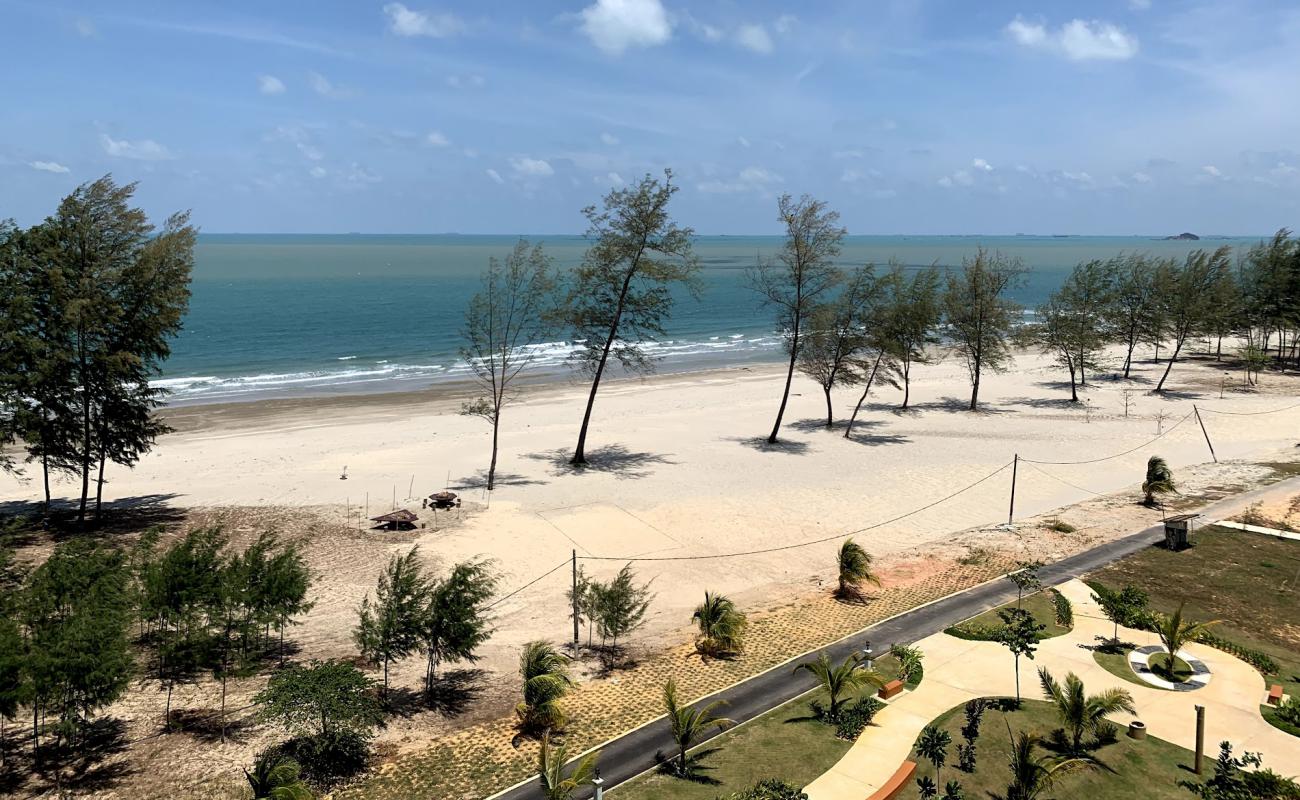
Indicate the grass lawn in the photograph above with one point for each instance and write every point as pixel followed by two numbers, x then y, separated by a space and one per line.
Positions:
pixel 1231 576
pixel 785 743
pixel 1149 769
pixel 1039 604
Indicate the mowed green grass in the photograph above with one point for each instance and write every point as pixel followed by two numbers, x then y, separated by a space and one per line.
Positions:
pixel 1039 604
pixel 1149 768
pixel 1245 580
pixel 786 743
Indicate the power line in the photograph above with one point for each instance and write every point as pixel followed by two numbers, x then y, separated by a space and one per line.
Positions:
pixel 810 542
pixel 1250 413
pixel 546 574
pixel 1064 481
pixel 1167 431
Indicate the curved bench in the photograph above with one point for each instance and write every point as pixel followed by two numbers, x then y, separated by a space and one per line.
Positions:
pixel 894 786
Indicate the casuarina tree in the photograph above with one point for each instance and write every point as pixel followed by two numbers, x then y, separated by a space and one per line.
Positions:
pixel 622 293
pixel 506 321
pixel 980 316
pixel 797 281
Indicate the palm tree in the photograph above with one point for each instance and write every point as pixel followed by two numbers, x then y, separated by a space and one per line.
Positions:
pixel 1081 713
pixel 1174 631
pixel 546 679
pixel 840 679
pixel 1031 775
pixel 1160 479
pixel 275 777
pixel 550 770
pixel 722 625
pixel 933 746
pixel 854 567
pixel 688 723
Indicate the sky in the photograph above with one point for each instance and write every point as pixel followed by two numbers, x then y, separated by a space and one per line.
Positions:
pixel 432 116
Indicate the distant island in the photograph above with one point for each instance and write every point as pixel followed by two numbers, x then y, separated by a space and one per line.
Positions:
pixel 1183 237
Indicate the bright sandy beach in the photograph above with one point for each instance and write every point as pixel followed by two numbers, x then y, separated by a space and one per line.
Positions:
pixel 678 471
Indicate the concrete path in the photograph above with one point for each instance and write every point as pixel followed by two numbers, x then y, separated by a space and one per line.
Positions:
pixel 1241 526
pixel 957 670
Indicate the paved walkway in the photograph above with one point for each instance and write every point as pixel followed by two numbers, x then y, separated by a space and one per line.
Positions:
pixel 1241 526
pixel 957 670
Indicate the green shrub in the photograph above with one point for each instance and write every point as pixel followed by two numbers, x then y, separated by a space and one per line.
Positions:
pixel 1064 610
pixel 1059 526
pixel 769 789
pixel 1289 712
pixel 326 759
pixel 975 633
pixel 852 719
pixel 910 669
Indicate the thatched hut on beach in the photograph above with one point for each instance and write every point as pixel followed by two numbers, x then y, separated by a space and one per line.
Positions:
pixel 399 520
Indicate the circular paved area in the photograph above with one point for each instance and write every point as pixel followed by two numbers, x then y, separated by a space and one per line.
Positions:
pixel 1139 659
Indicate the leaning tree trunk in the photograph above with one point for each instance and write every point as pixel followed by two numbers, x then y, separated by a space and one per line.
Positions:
pixel 580 452
pixel 99 488
pixel 830 422
pixel 1160 387
pixel 849 429
pixel 789 378
pixel 492 466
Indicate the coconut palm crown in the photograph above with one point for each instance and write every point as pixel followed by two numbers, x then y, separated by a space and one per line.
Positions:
pixel 689 723
pixel 546 679
pixel 1160 480
pixel 854 568
pixel 1174 631
pixel 722 625
pixel 837 680
pixel 1081 713
pixel 550 770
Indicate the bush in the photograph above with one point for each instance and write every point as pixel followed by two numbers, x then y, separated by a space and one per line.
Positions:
pixel 976 633
pixel 1289 712
pixel 326 759
pixel 910 669
pixel 1064 610
pixel 1059 526
pixel 853 719
pixel 770 789
pixel 1260 661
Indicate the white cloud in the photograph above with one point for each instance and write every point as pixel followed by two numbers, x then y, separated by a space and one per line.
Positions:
pixel 982 165
pixel 857 175
pixel 1077 40
pixel 1141 177
pixel 610 179
pixel 1212 171
pixel 140 149
pixel 959 178
pixel 531 167
pixel 299 138
pixel 749 179
pixel 466 81
pixel 609 139
pixel 702 30
pixel 754 37
pixel 48 166
pixel 269 84
pixel 494 175
pixel 616 25
pixel 784 23
pixel 742 141
pixel 85 28
pixel 359 174
pixel 404 21
pixel 325 88
pixel 436 139
pixel 317 172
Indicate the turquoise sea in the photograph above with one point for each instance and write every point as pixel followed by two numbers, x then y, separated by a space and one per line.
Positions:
pixel 292 315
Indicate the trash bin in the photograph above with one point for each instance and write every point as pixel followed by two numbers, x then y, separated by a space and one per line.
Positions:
pixel 1137 730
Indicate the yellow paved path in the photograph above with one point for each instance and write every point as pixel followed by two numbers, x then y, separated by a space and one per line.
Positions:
pixel 957 670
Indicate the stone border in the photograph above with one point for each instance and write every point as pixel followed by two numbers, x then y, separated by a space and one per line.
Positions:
pixel 1139 658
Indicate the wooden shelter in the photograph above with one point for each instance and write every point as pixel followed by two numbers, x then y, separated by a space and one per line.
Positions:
pixel 1178 529
pixel 399 520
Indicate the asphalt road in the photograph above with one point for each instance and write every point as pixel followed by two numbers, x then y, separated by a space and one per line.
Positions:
pixel 635 752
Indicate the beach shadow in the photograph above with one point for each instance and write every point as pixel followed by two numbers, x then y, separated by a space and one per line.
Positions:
pixel 815 425
pixel 761 444
pixel 479 480
pixel 84 770
pixel 204 724
pixel 954 405
pixel 455 691
pixel 862 434
pixel 1177 394
pixel 1062 403
pixel 123 515
pixel 614 459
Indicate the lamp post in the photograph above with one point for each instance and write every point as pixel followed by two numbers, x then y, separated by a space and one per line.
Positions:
pixel 599 783
pixel 1222 383
pixel 865 658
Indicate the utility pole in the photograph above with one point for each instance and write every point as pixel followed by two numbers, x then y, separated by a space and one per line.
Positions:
pixel 1015 465
pixel 575 603
pixel 1206 433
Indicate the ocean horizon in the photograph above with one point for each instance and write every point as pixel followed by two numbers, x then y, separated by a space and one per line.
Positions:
pixel 291 315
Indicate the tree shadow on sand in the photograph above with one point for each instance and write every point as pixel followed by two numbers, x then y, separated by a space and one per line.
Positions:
pixel 204 724
pixel 455 691
pixel 954 405
pixel 614 459
pixel 479 480
pixel 124 515
pixel 1060 403
pixel 761 444
pixel 87 768
pixel 863 434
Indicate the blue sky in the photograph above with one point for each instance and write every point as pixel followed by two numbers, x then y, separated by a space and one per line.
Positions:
pixel 1123 116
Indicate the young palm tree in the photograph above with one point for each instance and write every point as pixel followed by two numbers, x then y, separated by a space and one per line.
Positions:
pixel 550 770
pixel 546 679
pixel 722 625
pixel 1160 480
pixel 840 679
pixel 854 568
pixel 1032 775
pixel 1174 631
pixel 275 777
pixel 932 745
pixel 688 723
pixel 1081 713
